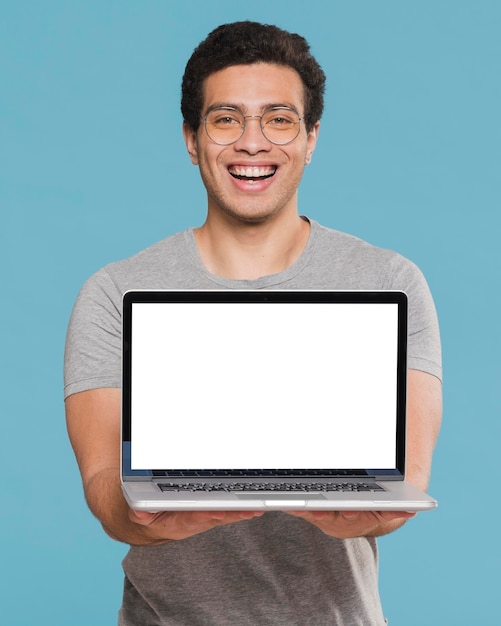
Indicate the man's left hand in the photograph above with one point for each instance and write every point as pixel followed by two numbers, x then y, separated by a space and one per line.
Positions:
pixel 349 524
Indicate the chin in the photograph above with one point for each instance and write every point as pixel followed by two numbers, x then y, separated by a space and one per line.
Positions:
pixel 252 214
pixel 249 218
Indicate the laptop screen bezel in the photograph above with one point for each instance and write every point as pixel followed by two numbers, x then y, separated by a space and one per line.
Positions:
pixel 276 296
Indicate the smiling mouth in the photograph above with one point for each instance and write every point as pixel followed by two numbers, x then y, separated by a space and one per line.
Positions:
pixel 252 173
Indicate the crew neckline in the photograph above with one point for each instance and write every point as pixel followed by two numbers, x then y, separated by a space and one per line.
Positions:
pixel 269 280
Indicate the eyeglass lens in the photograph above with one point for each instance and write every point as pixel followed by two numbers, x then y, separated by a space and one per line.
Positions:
pixel 226 125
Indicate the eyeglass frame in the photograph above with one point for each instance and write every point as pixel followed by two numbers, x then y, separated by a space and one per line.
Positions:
pixel 244 125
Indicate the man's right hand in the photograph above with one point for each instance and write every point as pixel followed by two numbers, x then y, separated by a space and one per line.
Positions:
pixel 93 419
pixel 176 525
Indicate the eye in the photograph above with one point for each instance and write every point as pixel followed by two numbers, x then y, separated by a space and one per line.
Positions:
pixel 280 118
pixel 279 121
pixel 223 118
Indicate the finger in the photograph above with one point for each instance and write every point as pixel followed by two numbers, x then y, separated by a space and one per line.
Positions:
pixel 191 520
pixel 390 515
pixel 350 515
pixel 223 516
pixel 313 516
pixel 142 517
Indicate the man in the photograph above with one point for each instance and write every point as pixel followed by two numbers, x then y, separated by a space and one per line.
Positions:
pixel 252 101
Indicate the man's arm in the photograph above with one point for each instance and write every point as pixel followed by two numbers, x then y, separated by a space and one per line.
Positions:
pixel 424 415
pixel 93 421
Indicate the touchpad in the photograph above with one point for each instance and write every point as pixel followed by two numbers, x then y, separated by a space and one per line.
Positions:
pixel 281 496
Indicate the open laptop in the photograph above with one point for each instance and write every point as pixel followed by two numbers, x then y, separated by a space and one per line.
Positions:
pixel 256 400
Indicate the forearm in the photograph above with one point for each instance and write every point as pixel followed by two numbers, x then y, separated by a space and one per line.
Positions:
pixel 423 424
pixel 105 499
pixel 416 474
pixel 93 419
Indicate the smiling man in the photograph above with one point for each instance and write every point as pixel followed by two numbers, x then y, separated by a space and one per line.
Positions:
pixel 251 158
pixel 252 102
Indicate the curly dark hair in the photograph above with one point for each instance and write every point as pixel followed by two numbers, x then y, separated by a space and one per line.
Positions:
pixel 243 43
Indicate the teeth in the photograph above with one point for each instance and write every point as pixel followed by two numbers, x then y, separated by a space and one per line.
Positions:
pixel 252 172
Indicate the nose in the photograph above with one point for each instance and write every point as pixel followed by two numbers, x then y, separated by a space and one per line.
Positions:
pixel 252 139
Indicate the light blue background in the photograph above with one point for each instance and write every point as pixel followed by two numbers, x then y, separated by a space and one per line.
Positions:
pixel 93 169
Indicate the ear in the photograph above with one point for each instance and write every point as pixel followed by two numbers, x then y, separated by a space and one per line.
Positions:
pixel 311 142
pixel 190 139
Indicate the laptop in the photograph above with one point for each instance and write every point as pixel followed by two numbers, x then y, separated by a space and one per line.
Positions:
pixel 265 400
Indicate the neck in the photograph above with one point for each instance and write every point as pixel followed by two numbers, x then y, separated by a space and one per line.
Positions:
pixel 244 251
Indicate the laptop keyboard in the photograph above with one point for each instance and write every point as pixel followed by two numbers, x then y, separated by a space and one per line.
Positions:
pixel 263 486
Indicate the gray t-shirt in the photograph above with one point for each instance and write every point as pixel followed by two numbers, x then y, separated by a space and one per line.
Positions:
pixel 274 570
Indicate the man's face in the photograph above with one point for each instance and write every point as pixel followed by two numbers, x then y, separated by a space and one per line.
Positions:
pixel 252 179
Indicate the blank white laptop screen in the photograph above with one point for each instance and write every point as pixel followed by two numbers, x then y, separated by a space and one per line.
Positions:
pixel 276 385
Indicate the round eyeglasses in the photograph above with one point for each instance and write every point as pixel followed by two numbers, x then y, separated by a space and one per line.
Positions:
pixel 225 125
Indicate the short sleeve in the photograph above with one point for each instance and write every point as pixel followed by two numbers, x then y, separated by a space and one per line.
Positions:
pixel 424 348
pixel 92 357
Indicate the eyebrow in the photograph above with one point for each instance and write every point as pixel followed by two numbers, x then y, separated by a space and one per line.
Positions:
pixel 244 109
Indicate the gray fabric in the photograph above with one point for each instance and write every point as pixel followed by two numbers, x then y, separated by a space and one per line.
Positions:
pixel 274 569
